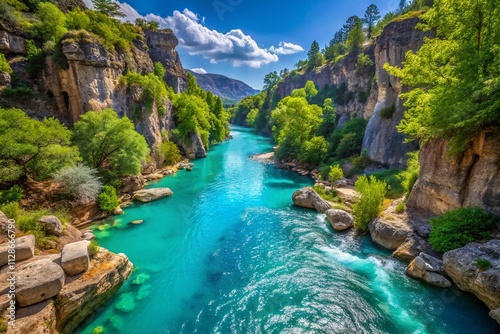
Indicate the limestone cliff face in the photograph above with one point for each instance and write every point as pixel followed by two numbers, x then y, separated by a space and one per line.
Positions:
pixel 162 45
pixel 354 85
pixel 382 140
pixel 469 179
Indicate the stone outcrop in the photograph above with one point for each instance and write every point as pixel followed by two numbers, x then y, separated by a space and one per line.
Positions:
pixel 38 281
pixel 339 219
pixel 132 183
pixel 75 258
pixel 471 178
pixel 389 233
pixel 162 44
pixel 411 248
pixel 24 248
pixel 428 269
pixel 460 265
pixel 52 225
pixel 11 43
pixel 149 195
pixel 81 297
pixel 194 148
pixel 382 140
pixel 308 198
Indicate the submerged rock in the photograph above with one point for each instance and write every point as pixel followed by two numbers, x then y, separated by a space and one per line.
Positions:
pixel 460 265
pixel 38 281
pixel 340 220
pixel 148 195
pixel 308 198
pixel 126 303
pixel 118 211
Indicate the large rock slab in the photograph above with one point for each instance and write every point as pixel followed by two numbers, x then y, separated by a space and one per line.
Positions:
pixel 81 297
pixel 148 195
pixel 485 284
pixel 52 225
pixel 339 219
pixel 38 281
pixel 75 257
pixel 387 233
pixel 24 249
pixel 308 198
pixel 426 268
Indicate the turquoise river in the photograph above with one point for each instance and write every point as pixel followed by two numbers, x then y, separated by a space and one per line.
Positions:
pixel 229 253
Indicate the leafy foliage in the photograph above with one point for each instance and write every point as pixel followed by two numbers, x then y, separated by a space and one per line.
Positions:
pixel 457 228
pixel 455 75
pixel 4 64
pixel 372 15
pixel 356 36
pixel 168 153
pixel 390 177
pixel 32 148
pixel 35 57
pixel 106 141
pixel 154 89
pixel 482 264
pixel 369 205
pixel 336 173
pixel 108 199
pixel 79 182
pixel 52 22
pixel 14 194
pixel 108 7
pixel 410 175
pixel 93 248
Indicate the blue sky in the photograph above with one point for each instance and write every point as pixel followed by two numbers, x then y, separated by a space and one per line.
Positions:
pixel 246 39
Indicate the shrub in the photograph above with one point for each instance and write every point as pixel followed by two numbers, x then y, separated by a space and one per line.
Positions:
pixel 108 200
pixel 336 173
pixel 171 153
pixel 19 94
pixel 4 64
pixel 400 208
pixel 79 182
pixel 390 177
pixel 93 248
pixel 457 228
pixel 410 175
pixel 11 210
pixel 35 58
pixel 482 264
pixel 28 223
pixel 369 205
pixel 14 194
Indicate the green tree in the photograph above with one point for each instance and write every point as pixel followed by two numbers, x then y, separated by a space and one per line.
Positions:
pixel 455 76
pixel 356 36
pixel 369 205
pixel 314 151
pixel 109 7
pixel 32 148
pixel 108 199
pixel 313 53
pixel 79 182
pixel 336 173
pixel 193 116
pixel 270 80
pixel 52 24
pixel 372 15
pixel 106 141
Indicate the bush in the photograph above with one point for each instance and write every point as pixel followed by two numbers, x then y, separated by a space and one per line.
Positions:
pixel 28 223
pixel 369 205
pixel 11 210
pixel 457 228
pixel 79 182
pixel 19 94
pixel 400 208
pixel 14 194
pixel 482 264
pixel 35 58
pixel 93 248
pixel 336 173
pixel 108 200
pixel 390 177
pixel 4 64
pixel 410 175
pixel 171 153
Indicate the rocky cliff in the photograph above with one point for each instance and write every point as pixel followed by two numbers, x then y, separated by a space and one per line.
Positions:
pixel 471 178
pixel 382 140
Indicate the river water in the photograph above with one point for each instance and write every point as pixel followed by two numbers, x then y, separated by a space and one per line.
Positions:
pixel 229 253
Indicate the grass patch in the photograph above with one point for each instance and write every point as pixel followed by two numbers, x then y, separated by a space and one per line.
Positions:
pixel 482 264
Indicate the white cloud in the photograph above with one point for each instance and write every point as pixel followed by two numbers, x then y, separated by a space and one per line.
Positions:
pixel 285 48
pixel 199 70
pixel 234 46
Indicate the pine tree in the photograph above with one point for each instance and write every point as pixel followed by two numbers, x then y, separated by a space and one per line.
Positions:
pixel 108 7
pixel 372 15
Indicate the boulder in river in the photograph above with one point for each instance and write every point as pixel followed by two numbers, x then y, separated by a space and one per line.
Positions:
pixel 308 198
pixel 461 265
pixel 428 269
pixel 38 281
pixel 148 195
pixel 339 219
pixel 412 247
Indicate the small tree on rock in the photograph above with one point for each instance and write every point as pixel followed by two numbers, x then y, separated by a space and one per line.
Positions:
pixel 108 7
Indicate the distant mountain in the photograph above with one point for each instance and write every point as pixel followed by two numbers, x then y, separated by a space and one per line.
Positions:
pixel 230 90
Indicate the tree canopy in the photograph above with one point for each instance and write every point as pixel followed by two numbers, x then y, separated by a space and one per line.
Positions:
pixel 455 76
pixel 105 140
pixel 108 7
pixel 372 15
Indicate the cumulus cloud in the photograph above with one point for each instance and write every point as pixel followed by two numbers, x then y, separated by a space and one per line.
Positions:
pixel 234 46
pixel 199 70
pixel 285 48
